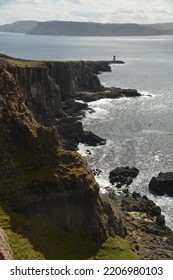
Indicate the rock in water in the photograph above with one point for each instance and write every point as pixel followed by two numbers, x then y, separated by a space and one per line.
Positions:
pixel 123 175
pixel 163 184
pixel 91 139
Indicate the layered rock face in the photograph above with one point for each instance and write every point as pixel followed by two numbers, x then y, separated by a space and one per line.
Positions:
pixel 72 77
pixel 44 85
pixel 39 92
pixel 37 175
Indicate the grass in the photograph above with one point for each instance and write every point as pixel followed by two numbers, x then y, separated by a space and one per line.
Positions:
pixel 116 249
pixel 39 239
pixel 21 62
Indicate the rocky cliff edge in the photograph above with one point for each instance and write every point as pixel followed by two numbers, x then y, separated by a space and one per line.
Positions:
pixel 37 176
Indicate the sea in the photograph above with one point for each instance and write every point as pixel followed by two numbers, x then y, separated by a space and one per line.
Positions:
pixel 139 131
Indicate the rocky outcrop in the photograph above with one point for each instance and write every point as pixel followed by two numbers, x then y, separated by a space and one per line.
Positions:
pixel 98 67
pixel 91 139
pixel 146 228
pixel 123 175
pixel 73 76
pixel 141 205
pixel 5 249
pixel 163 184
pixel 45 84
pixel 112 93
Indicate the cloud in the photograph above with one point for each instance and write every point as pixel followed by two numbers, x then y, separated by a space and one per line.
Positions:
pixel 139 11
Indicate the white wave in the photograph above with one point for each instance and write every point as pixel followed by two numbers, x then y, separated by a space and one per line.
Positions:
pixel 80 101
pixel 158 132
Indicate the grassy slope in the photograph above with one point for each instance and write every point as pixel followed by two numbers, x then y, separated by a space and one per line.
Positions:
pixel 20 62
pixel 38 238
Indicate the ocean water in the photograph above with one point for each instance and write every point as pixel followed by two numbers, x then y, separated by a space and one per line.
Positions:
pixel 139 131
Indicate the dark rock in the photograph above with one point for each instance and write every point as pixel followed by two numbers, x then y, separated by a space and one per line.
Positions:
pixel 91 139
pixel 99 66
pixel 72 77
pixel 126 191
pixel 70 130
pixel 96 171
pixel 129 181
pixel 136 195
pixel 140 204
pixel 119 185
pixel 163 184
pixel 160 220
pixel 88 152
pixel 123 174
pixel 148 235
pixel 74 108
pixel 102 66
pixel 137 247
pixel 112 93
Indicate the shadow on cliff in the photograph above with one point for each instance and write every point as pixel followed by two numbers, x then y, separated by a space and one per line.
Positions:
pixel 39 238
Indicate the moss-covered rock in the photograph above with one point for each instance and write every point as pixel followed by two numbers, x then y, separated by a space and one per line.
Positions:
pixel 116 249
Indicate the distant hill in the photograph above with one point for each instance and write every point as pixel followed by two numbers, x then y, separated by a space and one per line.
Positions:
pixel 19 26
pixel 72 28
pixel 163 24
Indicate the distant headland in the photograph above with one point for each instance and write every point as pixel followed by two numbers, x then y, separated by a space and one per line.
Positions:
pixel 72 28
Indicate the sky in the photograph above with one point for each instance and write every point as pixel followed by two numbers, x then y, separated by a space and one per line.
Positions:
pixel 105 11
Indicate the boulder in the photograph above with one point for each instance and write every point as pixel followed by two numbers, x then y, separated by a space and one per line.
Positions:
pixel 92 139
pixel 123 175
pixel 163 184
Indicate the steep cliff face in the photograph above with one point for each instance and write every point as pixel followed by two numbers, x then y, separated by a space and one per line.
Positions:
pixel 44 84
pixel 39 91
pixel 37 177
pixel 73 76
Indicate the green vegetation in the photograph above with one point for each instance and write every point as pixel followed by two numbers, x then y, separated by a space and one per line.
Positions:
pixel 142 216
pixel 38 238
pixel 116 249
pixel 20 62
pixel 138 215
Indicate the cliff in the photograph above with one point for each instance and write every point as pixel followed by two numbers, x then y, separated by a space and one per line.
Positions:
pixel 50 206
pixel 37 176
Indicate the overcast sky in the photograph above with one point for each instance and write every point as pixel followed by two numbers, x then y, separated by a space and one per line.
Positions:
pixel 117 11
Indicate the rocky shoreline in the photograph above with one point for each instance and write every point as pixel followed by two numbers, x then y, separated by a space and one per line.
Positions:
pixel 41 173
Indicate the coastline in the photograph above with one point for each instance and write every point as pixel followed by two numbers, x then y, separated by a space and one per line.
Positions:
pixel 35 114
